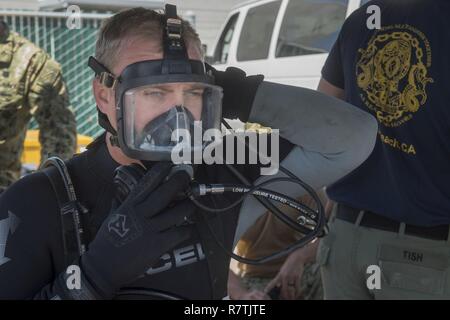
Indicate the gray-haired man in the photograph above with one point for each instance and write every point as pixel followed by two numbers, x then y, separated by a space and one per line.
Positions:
pixel 147 242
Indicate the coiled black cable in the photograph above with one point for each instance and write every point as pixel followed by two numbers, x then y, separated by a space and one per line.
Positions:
pixel 263 196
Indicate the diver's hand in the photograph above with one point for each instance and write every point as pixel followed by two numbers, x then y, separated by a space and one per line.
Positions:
pixel 239 91
pixel 136 234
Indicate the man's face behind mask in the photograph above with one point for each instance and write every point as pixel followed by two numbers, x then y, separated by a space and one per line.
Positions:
pixel 154 113
pixel 151 101
pixel 134 49
pixel 150 84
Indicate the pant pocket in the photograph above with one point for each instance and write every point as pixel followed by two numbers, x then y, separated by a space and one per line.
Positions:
pixel 408 272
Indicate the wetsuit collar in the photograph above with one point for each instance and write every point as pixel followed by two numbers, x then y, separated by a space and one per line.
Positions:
pixel 100 161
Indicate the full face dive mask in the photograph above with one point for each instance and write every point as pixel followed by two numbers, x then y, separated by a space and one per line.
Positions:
pixel 160 100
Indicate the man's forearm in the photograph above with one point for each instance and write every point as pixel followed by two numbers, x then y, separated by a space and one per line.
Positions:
pixel 313 120
pixel 331 138
pixel 60 139
pixel 57 124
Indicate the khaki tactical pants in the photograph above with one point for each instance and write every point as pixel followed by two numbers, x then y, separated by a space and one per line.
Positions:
pixel 409 267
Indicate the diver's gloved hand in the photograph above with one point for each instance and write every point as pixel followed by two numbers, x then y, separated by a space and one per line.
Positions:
pixel 239 91
pixel 138 232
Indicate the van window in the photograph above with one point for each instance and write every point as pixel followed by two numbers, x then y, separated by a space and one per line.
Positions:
pixel 257 30
pixel 223 46
pixel 310 26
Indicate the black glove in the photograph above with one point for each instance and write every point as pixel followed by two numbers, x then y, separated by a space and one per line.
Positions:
pixel 135 235
pixel 238 91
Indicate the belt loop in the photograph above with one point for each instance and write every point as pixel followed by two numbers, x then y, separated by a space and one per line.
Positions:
pixel 359 218
pixel 401 229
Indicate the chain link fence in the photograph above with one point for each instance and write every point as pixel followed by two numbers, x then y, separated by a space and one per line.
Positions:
pixel 71 48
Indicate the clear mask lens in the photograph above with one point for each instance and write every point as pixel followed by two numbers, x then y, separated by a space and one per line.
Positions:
pixel 157 117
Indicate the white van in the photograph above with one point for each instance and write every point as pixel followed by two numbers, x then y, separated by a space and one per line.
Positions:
pixel 286 40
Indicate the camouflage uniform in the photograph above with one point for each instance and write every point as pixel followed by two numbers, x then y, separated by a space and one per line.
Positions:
pixel 31 84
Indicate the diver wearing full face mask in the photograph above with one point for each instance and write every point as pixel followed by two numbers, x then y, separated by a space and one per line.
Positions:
pixel 148 238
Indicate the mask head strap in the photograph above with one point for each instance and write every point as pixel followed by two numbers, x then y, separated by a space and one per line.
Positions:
pixel 107 79
pixel 105 76
pixel 175 54
pixel 174 47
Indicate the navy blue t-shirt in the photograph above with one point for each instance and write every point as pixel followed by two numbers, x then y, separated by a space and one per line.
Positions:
pixel 401 74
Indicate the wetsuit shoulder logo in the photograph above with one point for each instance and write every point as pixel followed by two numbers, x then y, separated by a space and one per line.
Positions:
pixel 117 224
pixel 7 226
pixel 392 73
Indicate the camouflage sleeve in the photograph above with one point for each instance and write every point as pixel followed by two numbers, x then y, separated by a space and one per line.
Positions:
pixel 49 102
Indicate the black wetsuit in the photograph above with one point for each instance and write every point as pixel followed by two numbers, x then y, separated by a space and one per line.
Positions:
pixel 326 138
pixel 35 246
